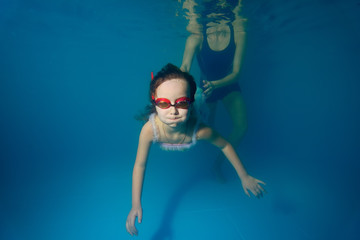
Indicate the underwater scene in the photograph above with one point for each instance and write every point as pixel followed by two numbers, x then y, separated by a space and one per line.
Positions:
pixel 277 81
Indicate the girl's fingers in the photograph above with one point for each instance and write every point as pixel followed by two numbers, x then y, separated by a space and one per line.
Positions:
pixel 140 217
pixel 246 191
pixel 259 181
pixel 261 188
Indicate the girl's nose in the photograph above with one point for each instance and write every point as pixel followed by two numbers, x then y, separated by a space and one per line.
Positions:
pixel 173 110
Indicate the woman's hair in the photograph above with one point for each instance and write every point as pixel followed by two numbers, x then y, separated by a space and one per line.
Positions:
pixel 168 72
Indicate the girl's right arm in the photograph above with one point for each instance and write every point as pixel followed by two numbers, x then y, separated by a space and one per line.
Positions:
pixel 145 140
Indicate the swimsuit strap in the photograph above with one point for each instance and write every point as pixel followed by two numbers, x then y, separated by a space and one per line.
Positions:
pixel 196 128
pixel 155 133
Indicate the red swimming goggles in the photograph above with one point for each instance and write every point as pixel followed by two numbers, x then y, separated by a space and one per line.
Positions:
pixel 164 103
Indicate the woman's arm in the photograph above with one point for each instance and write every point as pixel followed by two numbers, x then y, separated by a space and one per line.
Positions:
pixel 193 42
pixel 248 182
pixel 192 46
pixel 138 178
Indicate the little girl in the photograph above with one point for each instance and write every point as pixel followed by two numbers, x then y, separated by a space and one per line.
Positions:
pixel 174 125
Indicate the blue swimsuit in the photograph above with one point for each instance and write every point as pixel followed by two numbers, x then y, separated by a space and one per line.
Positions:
pixel 217 64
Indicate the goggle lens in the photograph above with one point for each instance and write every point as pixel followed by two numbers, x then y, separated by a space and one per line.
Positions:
pixel 182 104
pixel 163 103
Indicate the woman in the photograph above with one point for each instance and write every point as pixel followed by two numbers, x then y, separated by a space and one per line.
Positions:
pixel 217 40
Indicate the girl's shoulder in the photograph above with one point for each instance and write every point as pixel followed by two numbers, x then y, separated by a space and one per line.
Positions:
pixel 147 132
pixel 204 132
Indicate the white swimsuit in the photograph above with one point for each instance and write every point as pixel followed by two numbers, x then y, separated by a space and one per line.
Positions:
pixel 172 146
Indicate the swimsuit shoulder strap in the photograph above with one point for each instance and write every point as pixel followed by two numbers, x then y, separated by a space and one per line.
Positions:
pixel 196 128
pixel 153 124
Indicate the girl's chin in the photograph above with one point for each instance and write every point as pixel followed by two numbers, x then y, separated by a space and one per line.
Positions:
pixel 175 123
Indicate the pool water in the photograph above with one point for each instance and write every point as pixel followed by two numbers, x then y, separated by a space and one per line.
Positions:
pixel 74 73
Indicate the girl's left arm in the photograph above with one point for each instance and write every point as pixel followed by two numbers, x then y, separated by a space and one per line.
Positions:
pixel 248 182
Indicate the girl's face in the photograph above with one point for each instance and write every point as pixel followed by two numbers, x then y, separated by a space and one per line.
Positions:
pixel 173 89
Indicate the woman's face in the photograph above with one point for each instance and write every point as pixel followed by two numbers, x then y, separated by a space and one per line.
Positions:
pixel 173 89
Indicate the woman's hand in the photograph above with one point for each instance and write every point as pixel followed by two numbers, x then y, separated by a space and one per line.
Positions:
pixel 130 221
pixel 253 184
pixel 208 88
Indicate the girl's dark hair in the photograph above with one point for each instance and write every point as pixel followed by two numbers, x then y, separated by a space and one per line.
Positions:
pixel 168 72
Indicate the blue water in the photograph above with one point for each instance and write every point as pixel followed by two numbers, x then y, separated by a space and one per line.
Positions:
pixel 74 73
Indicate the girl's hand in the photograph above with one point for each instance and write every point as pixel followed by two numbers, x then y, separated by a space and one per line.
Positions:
pixel 130 221
pixel 252 184
pixel 208 88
